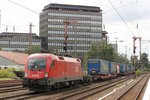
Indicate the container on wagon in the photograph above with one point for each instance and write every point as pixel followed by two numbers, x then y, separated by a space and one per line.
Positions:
pixel 98 66
pixel 113 67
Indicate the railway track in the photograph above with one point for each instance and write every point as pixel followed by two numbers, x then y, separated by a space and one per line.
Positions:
pixel 49 95
pixel 134 91
pixel 13 96
pixel 10 83
pixel 11 89
pixel 80 95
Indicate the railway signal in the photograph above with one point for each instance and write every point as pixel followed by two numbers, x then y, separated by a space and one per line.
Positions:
pixel 134 47
pixel 66 23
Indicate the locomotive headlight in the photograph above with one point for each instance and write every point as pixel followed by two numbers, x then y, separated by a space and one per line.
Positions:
pixel 46 74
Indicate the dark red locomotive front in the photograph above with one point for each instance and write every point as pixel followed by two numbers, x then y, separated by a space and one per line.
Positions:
pixel 46 71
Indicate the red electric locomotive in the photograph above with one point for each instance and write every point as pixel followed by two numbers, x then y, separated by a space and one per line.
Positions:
pixel 47 71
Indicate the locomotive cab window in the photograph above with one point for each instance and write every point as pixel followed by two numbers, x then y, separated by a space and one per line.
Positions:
pixel 37 63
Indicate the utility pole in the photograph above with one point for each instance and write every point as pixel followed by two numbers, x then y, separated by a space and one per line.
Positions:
pixel 30 37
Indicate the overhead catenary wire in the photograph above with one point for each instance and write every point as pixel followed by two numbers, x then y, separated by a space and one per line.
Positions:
pixel 130 18
pixel 16 13
pixel 121 17
pixel 128 4
pixel 23 7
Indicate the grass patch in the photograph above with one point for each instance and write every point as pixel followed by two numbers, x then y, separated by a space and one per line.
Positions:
pixel 1 79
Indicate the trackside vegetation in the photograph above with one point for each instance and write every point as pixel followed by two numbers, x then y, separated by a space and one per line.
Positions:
pixel 11 73
pixel 7 73
pixel 138 72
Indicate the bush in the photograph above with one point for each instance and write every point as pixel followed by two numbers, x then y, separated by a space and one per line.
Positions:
pixel 19 73
pixel 138 72
pixel 7 73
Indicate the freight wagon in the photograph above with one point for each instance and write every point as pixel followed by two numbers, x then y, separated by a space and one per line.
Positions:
pixel 123 69
pixel 113 69
pixel 98 68
pixel 129 69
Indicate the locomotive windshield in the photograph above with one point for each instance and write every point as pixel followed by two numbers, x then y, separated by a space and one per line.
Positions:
pixel 37 63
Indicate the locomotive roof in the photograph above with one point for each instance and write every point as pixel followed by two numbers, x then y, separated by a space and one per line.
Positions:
pixel 69 59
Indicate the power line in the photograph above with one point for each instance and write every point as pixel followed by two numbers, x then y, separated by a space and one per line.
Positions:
pixel 129 16
pixel 23 7
pixel 128 4
pixel 121 17
pixel 16 13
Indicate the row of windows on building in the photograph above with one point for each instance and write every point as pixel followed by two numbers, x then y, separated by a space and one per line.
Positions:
pixel 78 21
pixel 12 49
pixel 19 39
pixel 69 44
pixel 77 27
pixel 19 43
pixel 69 50
pixel 80 33
pixel 70 38
pixel 75 15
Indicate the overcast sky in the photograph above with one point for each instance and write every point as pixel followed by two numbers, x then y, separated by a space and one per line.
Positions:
pixel 120 23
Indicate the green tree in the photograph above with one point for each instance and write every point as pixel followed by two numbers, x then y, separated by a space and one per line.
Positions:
pixel 144 60
pixel 100 51
pixel 34 49
pixel 121 58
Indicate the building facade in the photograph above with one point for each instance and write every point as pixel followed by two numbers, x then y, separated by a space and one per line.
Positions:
pixel 82 24
pixel 11 41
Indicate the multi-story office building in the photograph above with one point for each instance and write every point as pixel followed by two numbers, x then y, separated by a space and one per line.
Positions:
pixel 83 27
pixel 10 41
